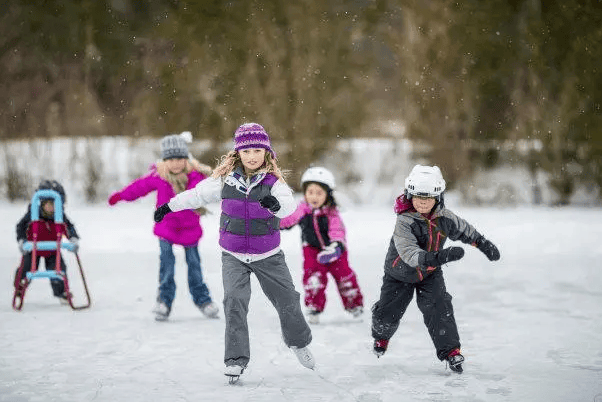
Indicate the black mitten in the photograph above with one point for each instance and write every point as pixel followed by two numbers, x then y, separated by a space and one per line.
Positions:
pixel 488 248
pixel 270 202
pixel 161 212
pixel 438 258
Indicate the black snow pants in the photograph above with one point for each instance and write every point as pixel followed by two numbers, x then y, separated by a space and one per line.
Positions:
pixel 433 301
pixel 58 286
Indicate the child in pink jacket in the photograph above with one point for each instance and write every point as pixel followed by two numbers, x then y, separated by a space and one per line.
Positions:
pixel 177 172
pixel 324 245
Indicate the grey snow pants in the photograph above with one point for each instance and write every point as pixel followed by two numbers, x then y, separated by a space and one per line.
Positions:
pixel 276 282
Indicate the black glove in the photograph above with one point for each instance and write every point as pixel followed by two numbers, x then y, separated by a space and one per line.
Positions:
pixel 270 202
pixel 438 258
pixel 488 248
pixel 161 212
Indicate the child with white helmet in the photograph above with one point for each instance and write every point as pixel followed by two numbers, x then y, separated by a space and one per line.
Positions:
pixel 324 245
pixel 414 261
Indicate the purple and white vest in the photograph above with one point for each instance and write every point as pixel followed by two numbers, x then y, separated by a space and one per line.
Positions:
pixel 245 226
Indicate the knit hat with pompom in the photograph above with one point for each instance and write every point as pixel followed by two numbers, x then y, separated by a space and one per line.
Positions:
pixel 176 145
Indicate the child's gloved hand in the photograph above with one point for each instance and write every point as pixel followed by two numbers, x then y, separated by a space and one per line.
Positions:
pixel 115 198
pixel 449 254
pixel 270 202
pixel 161 212
pixel 75 242
pixel 21 249
pixel 438 258
pixel 330 253
pixel 488 248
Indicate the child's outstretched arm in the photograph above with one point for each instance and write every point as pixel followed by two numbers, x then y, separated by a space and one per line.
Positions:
pixel 290 221
pixel 463 231
pixel 206 192
pixel 71 232
pixel 136 189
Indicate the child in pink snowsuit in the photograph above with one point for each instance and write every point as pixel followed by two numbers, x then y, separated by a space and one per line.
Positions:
pixel 324 245
pixel 175 173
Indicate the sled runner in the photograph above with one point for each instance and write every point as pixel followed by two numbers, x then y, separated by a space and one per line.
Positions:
pixel 35 245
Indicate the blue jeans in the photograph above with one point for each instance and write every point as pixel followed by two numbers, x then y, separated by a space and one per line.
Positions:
pixel 167 284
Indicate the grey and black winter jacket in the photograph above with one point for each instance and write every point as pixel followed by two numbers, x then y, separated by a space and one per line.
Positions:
pixel 416 235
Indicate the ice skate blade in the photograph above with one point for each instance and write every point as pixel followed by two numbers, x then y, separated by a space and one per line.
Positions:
pixel 457 370
pixel 233 379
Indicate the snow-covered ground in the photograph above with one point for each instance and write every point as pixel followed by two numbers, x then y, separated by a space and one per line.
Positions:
pixel 530 324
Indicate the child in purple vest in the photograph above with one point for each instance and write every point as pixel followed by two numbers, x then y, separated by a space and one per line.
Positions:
pixel 176 172
pixel 254 197
pixel 324 245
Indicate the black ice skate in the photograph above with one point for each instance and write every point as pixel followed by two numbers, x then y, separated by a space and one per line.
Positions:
pixel 380 346
pixel 455 360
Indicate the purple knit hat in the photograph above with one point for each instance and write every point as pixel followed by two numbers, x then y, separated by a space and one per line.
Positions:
pixel 252 135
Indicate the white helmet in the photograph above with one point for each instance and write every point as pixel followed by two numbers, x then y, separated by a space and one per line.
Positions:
pixel 425 181
pixel 319 175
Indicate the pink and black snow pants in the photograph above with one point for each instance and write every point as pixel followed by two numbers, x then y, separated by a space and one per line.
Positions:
pixel 315 279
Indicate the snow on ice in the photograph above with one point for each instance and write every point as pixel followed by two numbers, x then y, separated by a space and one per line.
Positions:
pixel 530 324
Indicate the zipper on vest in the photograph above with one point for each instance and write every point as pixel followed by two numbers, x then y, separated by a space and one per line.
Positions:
pixel 247 234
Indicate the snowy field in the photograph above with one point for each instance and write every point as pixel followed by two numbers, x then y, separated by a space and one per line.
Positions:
pixel 530 324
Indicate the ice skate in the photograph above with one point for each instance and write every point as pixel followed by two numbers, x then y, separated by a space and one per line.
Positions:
pixel 233 373
pixel 455 360
pixel 161 311
pixel 63 298
pixel 305 357
pixel 380 347
pixel 356 312
pixel 209 309
pixel 313 317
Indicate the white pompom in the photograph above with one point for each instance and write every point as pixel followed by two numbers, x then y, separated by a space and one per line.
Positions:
pixel 186 136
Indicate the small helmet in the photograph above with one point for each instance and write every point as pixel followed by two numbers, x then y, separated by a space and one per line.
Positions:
pixel 53 185
pixel 425 181
pixel 318 175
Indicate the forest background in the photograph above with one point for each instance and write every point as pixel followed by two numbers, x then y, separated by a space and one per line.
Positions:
pixel 474 86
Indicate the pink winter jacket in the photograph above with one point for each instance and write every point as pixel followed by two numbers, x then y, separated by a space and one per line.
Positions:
pixel 183 227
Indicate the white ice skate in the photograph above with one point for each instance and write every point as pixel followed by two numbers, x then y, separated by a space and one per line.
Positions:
pixel 209 309
pixel 356 312
pixel 161 311
pixel 233 373
pixel 305 357
pixel 313 317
